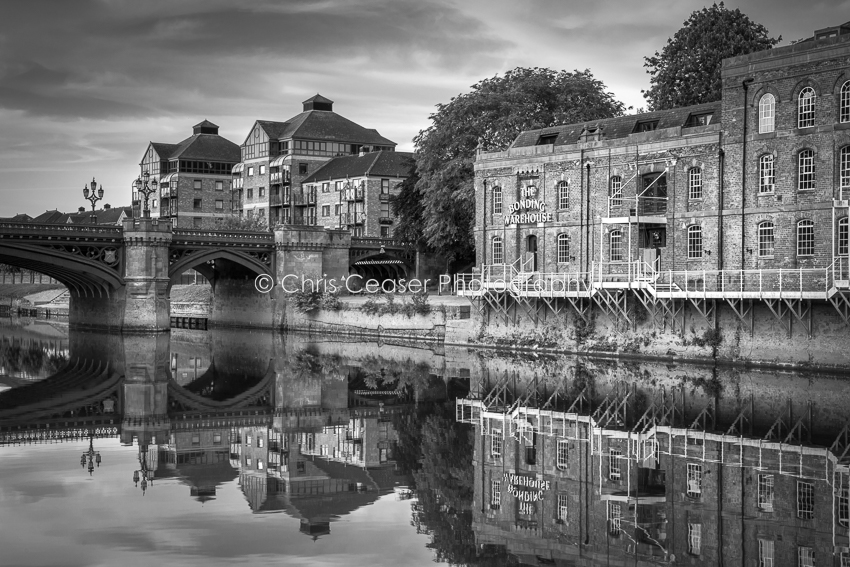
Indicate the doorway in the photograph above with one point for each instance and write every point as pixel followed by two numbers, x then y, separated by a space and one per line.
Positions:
pixel 531 248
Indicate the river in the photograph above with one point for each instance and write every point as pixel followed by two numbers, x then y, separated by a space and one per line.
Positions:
pixel 246 447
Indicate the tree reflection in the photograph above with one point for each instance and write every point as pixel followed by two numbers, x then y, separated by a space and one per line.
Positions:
pixel 31 359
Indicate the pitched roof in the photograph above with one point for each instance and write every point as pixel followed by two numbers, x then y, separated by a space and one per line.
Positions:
pixel 20 217
pixel 618 127
pixel 164 150
pixel 205 124
pixel 272 128
pixel 208 147
pixel 318 98
pixel 104 216
pixel 377 164
pixel 50 217
pixel 330 126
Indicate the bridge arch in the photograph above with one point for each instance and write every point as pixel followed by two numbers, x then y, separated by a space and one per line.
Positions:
pixel 199 262
pixel 382 266
pixel 94 273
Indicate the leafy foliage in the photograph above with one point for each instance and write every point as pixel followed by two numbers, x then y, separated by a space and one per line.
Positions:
pixel 687 71
pixel 417 305
pixel 248 224
pixel 489 117
pixel 408 207
pixel 308 301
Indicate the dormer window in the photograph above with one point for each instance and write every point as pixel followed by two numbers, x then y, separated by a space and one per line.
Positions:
pixel 590 134
pixel 702 119
pixel 646 126
pixel 547 139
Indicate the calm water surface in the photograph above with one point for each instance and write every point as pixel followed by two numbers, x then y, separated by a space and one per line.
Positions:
pixel 237 447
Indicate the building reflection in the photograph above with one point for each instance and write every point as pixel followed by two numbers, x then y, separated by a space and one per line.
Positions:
pixel 567 477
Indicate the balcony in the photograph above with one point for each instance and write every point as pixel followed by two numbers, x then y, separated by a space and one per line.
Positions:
pixel 352 218
pixel 279 177
pixel 304 199
pixel 354 194
pixel 385 220
pixel 237 183
pixel 275 201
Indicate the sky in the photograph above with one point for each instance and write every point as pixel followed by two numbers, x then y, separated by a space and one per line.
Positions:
pixel 85 85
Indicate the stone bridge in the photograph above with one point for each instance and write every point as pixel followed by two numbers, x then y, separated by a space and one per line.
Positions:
pixel 120 277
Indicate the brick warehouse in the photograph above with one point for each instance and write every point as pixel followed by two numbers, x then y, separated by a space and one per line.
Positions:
pixel 721 200
pixel 193 178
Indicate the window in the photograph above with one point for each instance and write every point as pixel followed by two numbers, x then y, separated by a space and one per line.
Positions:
pixel 614 464
pixel 260 442
pixel 302 169
pixel 196 439
pixel 385 210
pixel 385 232
pixel 765 234
pixel 562 507
pixel 767 113
pixel 219 205
pixel 805 557
pixel 262 192
pixel 694 242
pixel 615 246
pixel 805 238
pixel 259 464
pixel 250 170
pixel 563 195
pixel 806 108
pixel 262 169
pixel 703 119
pixel 694 487
pixel 646 126
pixel 563 453
pixel 337 209
pixel 496 444
pixel 326 210
pixel 498 255
pixel 615 515
pixel 250 193
pixel 844 103
pixel 766 553
pixel 844 172
pixel 806 170
pixel 196 184
pixel 843 237
pixel 767 174
pixel 546 139
pixel 805 500
pixel 497 200
pixel 197 204
pixel 385 186
pixel 765 492
pixel 616 194
pixel 695 183
pixel 219 185
pixel 694 538
pixel 216 438
pixel 248 461
pixel 250 213
pixel 563 248
pixel 495 494
pixel 326 187
pixel 844 507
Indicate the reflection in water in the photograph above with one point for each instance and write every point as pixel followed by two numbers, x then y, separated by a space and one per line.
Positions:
pixel 541 461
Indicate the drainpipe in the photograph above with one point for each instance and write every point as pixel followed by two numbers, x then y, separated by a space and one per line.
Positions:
pixel 484 226
pixel 721 172
pixel 587 213
pixel 745 83
pixel 581 212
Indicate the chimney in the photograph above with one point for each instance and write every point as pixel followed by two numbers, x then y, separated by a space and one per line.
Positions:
pixel 81 210
pixel 107 206
pixel 364 150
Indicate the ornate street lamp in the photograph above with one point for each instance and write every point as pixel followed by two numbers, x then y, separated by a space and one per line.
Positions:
pixel 141 185
pixel 94 195
pixel 91 455
pixel 143 473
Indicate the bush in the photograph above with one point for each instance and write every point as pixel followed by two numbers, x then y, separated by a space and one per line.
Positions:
pixel 307 301
pixel 417 305
pixel 330 301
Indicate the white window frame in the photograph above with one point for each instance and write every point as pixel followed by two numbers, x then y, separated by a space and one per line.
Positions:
pixel 805 556
pixel 693 484
pixel 495 494
pixel 695 183
pixel 842 499
pixel 766 492
pixel 498 251
pixel 806 108
pixel 497 200
pixel 844 172
pixel 805 237
pixel 615 246
pixel 843 236
pixel 694 539
pixel 563 506
pixel 563 195
pixel 767 113
pixel 805 500
pixel 766 239
pixel 563 454
pixel 844 103
pixel 262 169
pixel 695 242
pixel 563 248
pixel 766 555
pixel 615 518
pixel 614 472
pixel 616 191
pixel 806 170
pixel 496 444
pixel 767 174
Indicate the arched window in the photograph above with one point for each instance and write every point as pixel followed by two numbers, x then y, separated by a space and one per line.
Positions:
pixel 694 242
pixel 615 246
pixel 806 108
pixel 844 103
pixel 806 170
pixel 497 200
pixel 563 195
pixel 767 113
pixel 616 194
pixel 765 234
pixel 498 252
pixel 844 172
pixel 695 183
pixel 805 238
pixel 843 241
pixel 767 174
pixel 563 248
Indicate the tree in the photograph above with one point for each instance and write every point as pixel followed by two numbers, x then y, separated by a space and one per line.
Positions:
pixel 408 207
pixel 489 118
pixel 232 222
pixel 687 71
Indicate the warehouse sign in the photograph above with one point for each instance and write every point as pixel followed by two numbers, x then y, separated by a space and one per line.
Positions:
pixel 527 210
pixel 526 488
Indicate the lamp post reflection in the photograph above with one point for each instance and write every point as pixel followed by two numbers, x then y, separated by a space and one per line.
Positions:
pixel 144 473
pixel 91 456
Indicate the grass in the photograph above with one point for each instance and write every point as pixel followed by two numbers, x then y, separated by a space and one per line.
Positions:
pixel 16 292
pixel 191 293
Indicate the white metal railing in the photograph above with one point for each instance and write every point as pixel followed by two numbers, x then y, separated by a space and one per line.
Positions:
pixel 778 281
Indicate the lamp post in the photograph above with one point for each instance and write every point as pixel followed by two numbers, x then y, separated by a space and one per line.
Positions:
pixel 143 473
pixel 141 185
pixel 91 456
pixel 93 195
